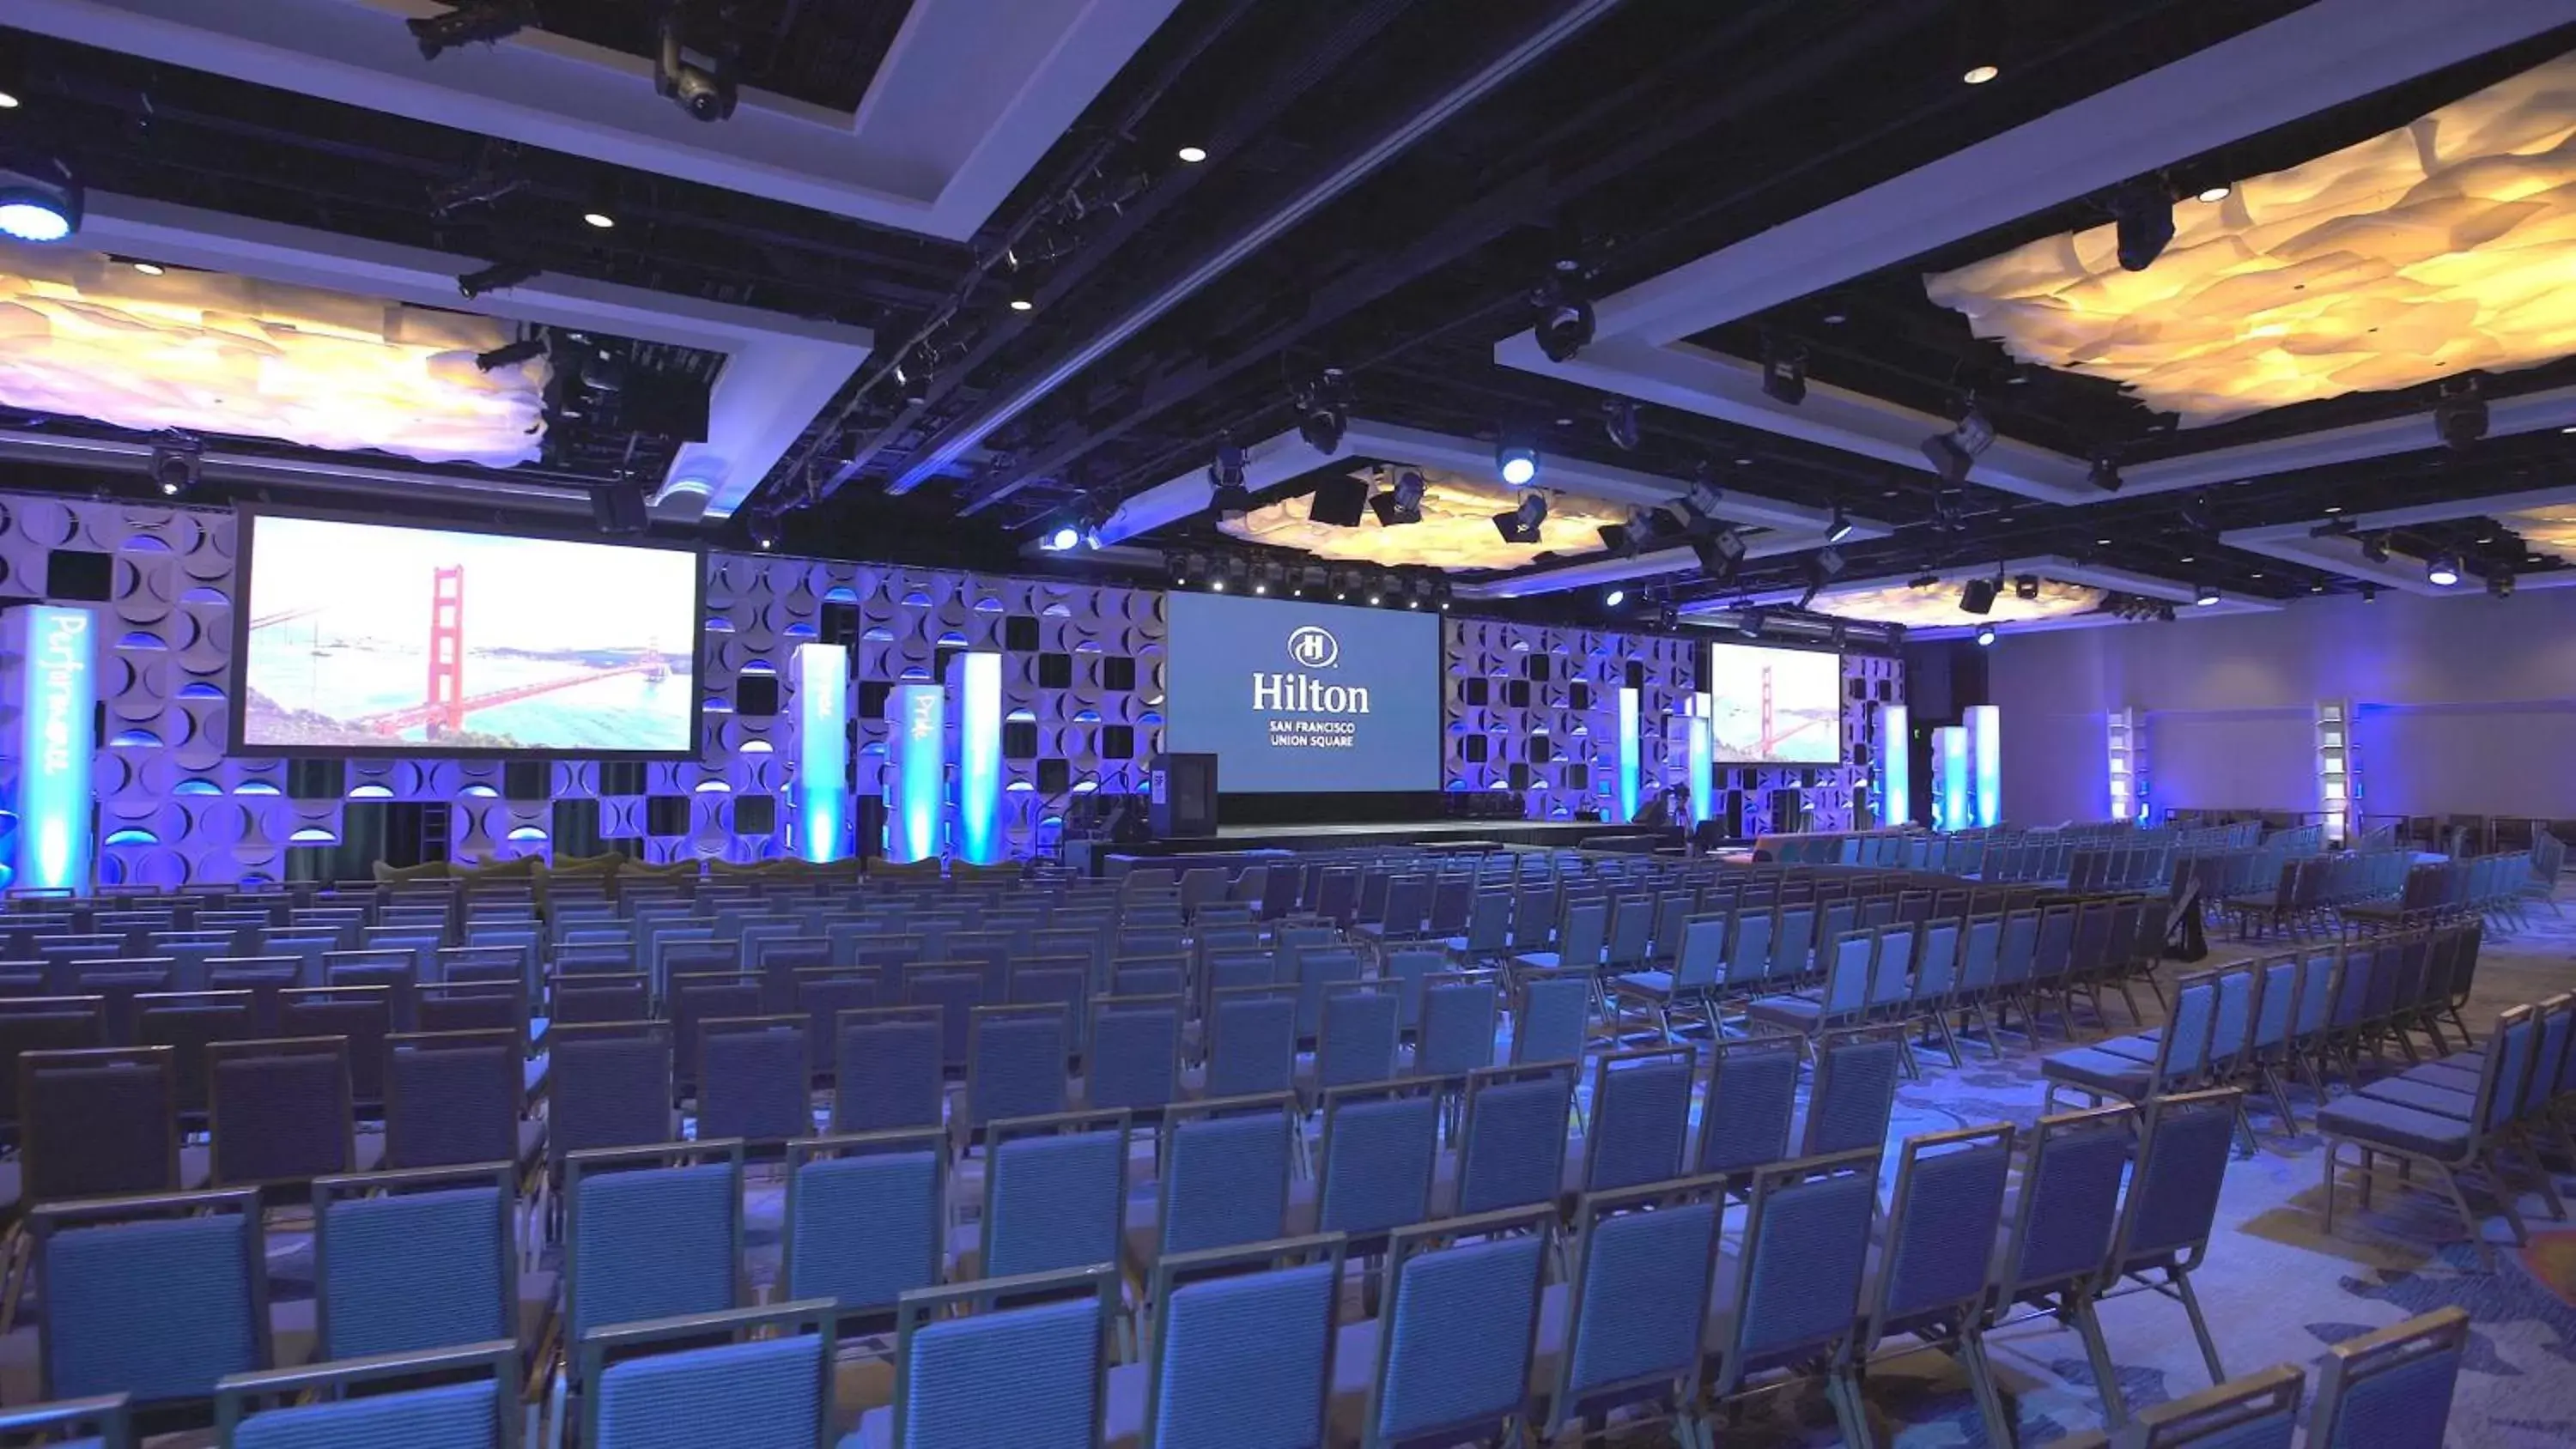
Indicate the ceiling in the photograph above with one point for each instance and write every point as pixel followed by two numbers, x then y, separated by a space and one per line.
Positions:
pixel 1385 189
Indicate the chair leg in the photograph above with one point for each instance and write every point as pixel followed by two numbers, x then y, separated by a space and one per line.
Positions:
pixel 2106 1375
pixel 1842 1390
pixel 2001 1427
pixel 1986 1028
pixel 2333 1150
pixel 2504 1197
pixel 2199 1324
pixel 1949 1038
pixel 2470 1220
pixel 2540 1169
pixel 2271 1079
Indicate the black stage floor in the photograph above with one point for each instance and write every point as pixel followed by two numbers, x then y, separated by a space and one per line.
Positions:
pixel 1437 834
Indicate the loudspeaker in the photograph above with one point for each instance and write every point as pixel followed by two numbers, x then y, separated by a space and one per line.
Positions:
pixel 1977 595
pixel 1339 502
pixel 618 508
pixel 1184 796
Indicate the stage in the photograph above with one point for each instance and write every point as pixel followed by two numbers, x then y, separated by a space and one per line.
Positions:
pixel 1238 845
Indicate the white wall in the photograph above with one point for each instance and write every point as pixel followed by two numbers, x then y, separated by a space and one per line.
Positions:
pixel 2463 705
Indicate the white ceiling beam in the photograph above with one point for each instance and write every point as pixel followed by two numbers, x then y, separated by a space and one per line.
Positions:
pixel 779 371
pixel 969 97
pixel 2333 544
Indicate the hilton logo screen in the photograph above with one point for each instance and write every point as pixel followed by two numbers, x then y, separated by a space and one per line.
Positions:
pixel 1304 697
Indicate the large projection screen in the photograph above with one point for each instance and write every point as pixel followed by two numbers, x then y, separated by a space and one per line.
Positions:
pixel 1296 698
pixel 1775 706
pixel 359 638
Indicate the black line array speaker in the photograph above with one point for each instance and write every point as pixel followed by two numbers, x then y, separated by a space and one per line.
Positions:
pixel 1185 805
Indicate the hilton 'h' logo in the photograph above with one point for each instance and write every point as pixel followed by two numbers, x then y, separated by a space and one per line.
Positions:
pixel 1313 647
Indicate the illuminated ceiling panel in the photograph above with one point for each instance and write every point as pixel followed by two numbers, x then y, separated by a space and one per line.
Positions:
pixel 205 352
pixel 2437 248
pixel 1456 532
pixel 1936 606
pixel 2549 531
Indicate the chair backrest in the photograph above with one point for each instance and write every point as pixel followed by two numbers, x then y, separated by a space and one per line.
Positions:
pixel 1552 1016
pixel 1748 950
pixel 1638 1305
pixel 944 1377
pixel 599 997
pixel 1224 1179
pixel 1582 935
pixel 1752 1102
pixel 1511 1144
pixel 44 1024
pixel 408 1261
pixel 1381 1143
pixel 452 1098
pixel 100 1122
pixel 279 1110
pixel 1847 976
pixel 651 1232
pixel 1015 1063
pixel 1358 1042
pixel 754 1081
pixel 362 1015
pixel 1243 1345
pixel 865 1221
pixel 1134 1052
pixel 155 1298
pixel 1855 1092
pixel 770 1384
pixel 2172 1202
pixel 610 1087
pixel 1640 1117
pixel 2257 1411
pixel 887 1070
pixel 1806 1243
pixel 1459 1016
pixel 1055 1190
pixel 2183 1051
pixel 2391 1389
pixel 1463 1302
pixel 1252 1041
pixel 2070 1201
pixel 956 991
pixel 304 1408
pixel 186 1021
pixel 1941 1227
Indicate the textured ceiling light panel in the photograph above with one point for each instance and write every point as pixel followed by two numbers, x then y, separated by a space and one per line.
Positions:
pixel 203 352
pixel 1456 532
pixel 2443 246
pixel 2550 531
pixel 1936 606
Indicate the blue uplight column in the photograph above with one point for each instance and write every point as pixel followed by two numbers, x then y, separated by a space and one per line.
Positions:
pixel 53 684
pixel 1895 766
pixel 1703 759
pixel 917 767
pixel 822 751
pixel 1986 756
pixel 977 679
pixel 1950 786
pixel 1627 755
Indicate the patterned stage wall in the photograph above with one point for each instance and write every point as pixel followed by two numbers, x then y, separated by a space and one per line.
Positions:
pixel 1082 691
pixel 1536 709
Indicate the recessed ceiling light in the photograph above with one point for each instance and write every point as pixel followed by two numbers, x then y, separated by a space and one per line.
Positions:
pixel 2254 576
pixel 2486 540
pixel 149 269
pixel 1023 304
pixel 2569 429
pixel 2214 193
pixel 1835 319
pixel 1977 75
pixel 1192 155
pixel 2334 508
pixel 8 102
pixel 2101 543
pixel 599 219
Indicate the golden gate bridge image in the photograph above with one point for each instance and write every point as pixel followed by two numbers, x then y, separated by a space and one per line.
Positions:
pixel 445 702
pixel 1777 733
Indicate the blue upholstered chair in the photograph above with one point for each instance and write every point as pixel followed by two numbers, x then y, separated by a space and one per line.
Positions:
pixel 2058 1244
pixel 1252 1041
pixel 954 1345
pixel 2420 1127
pixel 94 1423
pixel 1224 1178
pixel 1015 1064
pixel 154 1298
pixel 1242 1350
pixel 754 1081
pixel 1381 1149
pixel 1055 1192
pixel 2391 1389
pixel 1752 1106
pixel 1511 1139
pixel 651 1232
pixel 1794 1296
pixel 1449 1358
pixel 1627 1324
pixel 887 1074
pixel 2171 1207
pixel 1551 1016
pixel 308 1408
pixel 865 1219
pixel 1929 1277
pixel 1133 1056
pixel 1640 1125
pixel 410 1261
pixel 772 1392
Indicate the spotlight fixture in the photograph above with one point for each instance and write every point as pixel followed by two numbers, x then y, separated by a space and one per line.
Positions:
pixel 763 525
pixel 1061 537
pixel 526 349
pixel 1719 553
pixel 2443 571
pixel 1517 463
pixel 1749 623
pixel 2214 194
pixel 1023 297
pixel 494 278
pixel 599 219
pixel 1401 504
pixel 1977 595
pixel 2370 593
pixel 1668 616
pixel 1977 75
pixel 2142 213
pixel 485 22
pixel 40 201
pixel 1227 495
pixel 1521 525
pixel 2205 595
pixel 1985 635
pixel 1192 155
pixel 2026 587
pixel 2500 582
pixel 1619 423
pixel 1614 596
pixel 2105 473
pixel 1839 527
pixel 1703 499
pixel 1955 452
pixel 177 463
pixel 1830 562
pixel 149 269
pixel 1784 372
pixel 1565 321
pixel 2374 547
pixel 2461 416
pixel 8 100
pixel 1323 412
pixel 697 77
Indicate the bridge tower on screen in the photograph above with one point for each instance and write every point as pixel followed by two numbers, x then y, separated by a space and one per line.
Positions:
pixel 446 697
